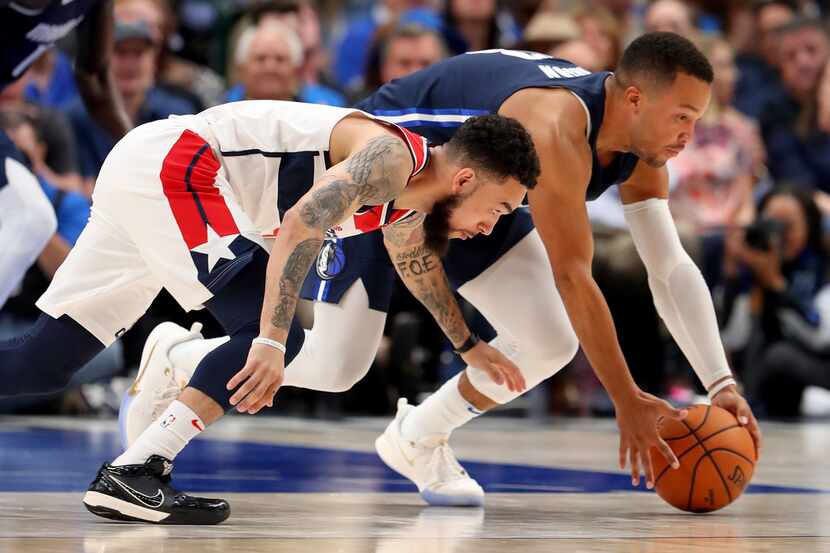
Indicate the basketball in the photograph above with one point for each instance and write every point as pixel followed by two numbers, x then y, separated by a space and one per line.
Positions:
pixel 717 459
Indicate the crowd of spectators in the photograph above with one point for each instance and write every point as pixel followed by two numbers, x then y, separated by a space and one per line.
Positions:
pixel 750 194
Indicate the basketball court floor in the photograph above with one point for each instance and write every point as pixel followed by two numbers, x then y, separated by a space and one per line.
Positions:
pixel 317 486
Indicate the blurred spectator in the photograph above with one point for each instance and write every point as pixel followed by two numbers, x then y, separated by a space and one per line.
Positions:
pixel 301 16
pixel 480 24
pixel 51 82
pixel 578 52
pixel 775 305
pixel 409 49
pixel 547 31
pixel 177 76
pixel 714 175
pixel 56 160
pixel 602 31
pixel 399 50
pixel 522 11
pixel 758 82
pixel 269 60
pixel 798 150
pixel 621 11
pixel 673 16
pixel 351 51
pixel 133 65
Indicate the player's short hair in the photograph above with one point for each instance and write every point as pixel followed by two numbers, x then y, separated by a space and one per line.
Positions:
pixel 499 145
pixel 659 57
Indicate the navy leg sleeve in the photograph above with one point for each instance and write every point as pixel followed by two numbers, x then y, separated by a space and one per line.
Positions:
pixel 43 360
pixel 237 307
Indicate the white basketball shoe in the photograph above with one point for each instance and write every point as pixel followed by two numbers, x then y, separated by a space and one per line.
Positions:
pixel 429 463
pixel 157 383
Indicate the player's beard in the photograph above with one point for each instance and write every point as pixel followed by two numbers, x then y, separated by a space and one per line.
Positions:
pixel 437 225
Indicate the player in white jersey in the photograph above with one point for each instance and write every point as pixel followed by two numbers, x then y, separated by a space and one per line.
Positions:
pixel 194 204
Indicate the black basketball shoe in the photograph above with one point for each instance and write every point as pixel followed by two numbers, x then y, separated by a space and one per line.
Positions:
pixel 143 492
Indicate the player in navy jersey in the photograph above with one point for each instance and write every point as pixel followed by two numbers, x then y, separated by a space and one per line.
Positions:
pixel 227 210
pixel 29 28
pixel 534 285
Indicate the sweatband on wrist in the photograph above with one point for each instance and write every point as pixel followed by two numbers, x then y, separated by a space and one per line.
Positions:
pixel 720 386
pixel 269 342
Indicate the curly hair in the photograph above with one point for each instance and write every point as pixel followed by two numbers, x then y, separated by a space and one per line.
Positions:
pixel 499 145
pixel 660 57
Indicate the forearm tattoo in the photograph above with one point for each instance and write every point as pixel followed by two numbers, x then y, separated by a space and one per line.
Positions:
pixel 422 272
pixel 293 275
pixel 376 175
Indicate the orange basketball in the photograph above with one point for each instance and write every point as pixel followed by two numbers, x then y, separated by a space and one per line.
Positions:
pixel 717 459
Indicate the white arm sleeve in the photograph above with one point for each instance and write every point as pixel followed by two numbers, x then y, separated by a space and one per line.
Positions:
pixel 27 221
pixel 680 293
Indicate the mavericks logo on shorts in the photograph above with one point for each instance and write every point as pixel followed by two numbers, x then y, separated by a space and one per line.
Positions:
pixel 331 260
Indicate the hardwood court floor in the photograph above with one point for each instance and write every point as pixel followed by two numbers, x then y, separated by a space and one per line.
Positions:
pixel 310 486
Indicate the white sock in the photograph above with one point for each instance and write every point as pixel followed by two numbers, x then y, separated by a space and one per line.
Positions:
pixel 185 357
pixel 167 436
pixel 439 414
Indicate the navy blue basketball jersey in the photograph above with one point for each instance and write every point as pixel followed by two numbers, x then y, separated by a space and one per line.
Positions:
pixel 435 101
pixel 27 34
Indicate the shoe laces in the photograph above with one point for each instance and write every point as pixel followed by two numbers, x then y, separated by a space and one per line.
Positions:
pixel 445 466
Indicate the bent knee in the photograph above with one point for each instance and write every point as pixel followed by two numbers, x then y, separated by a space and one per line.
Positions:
pixel 343 376
pixel 557 347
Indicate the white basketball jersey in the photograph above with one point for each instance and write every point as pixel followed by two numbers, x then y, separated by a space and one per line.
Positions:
pixel 272 152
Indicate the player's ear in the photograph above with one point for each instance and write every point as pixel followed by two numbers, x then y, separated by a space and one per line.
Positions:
pixel 633 98
pixel 463 181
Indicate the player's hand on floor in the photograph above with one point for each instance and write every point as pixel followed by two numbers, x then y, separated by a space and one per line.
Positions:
pixel 260 379
pixel 498 367
pixel 638 418
pixel 732 401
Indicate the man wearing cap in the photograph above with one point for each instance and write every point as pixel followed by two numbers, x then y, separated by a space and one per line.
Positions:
pixel 134 54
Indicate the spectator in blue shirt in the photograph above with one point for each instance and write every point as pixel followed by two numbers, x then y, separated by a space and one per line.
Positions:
pixel 798 149
pixel 758 81
pixel 300 15
pixel 352 49
pixel 133 63
pixel 269 60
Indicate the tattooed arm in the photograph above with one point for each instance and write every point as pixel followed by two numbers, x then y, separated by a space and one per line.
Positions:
pixel 373 174
pixel 423 273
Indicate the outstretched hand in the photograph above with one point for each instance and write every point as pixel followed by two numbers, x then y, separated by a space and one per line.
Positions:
pixel 499 368
pixel 638 419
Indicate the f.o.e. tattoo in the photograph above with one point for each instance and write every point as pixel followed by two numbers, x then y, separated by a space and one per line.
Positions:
pixel 416 262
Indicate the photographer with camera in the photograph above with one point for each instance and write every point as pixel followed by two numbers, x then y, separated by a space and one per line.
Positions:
pixel 775 301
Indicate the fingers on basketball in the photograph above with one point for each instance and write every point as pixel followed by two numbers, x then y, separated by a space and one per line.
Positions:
pixel 717 459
